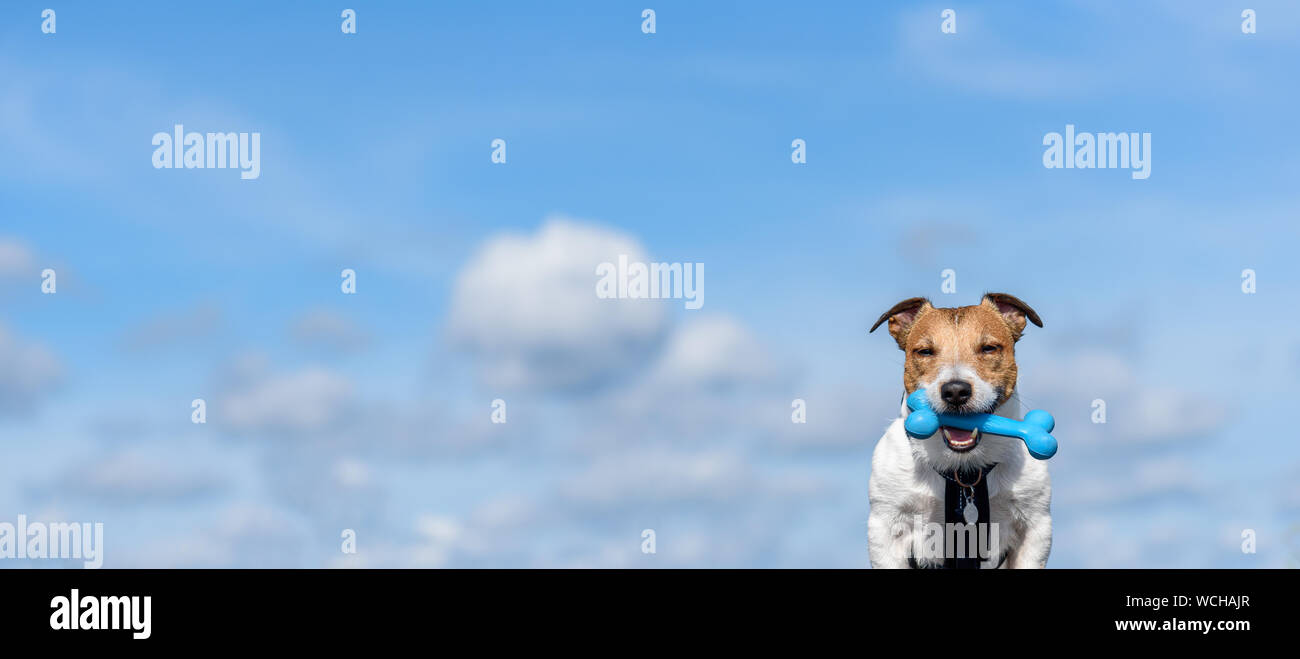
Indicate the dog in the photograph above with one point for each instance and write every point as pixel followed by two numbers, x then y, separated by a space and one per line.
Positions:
pixel 964 358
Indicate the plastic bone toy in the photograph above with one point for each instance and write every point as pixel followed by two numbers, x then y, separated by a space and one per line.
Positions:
pixel 1035 430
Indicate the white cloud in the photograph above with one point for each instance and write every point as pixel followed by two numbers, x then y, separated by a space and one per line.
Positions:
pixel 351 473
pixel 660 476
pixel 1136 411
pixel 526 306
pixel 305 401
pixel 329 489
pixel 28 372
pixel 133 476
pixel 433 541
pixel 1168 414
pixel 439 529
pixel 243 534
pixel 16 260
pixel 847 417
pixel 1122 484
pixel 713 351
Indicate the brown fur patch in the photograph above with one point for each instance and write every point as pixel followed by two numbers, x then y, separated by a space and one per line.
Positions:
pixel 982 336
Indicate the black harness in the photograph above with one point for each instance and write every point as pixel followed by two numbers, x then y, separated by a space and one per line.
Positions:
pixel 963 489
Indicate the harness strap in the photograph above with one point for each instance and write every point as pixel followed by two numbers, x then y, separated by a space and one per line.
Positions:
pixel 962 489
pixel 957 495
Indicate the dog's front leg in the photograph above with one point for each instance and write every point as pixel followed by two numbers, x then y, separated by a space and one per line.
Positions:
pixel 889 537
pixel 1036 544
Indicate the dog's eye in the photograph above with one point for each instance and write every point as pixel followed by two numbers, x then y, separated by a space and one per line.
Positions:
pixel 990 348
pixel 924 352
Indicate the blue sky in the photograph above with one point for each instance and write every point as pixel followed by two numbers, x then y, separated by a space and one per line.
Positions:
pixel 371 411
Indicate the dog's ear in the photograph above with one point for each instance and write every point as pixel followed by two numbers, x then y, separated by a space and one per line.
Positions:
pixel 1014 311
pixel 901 316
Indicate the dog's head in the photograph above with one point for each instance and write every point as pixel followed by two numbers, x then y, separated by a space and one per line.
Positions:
pixel 963 357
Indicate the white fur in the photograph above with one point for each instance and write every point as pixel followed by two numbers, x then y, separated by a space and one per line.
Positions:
pixel 904 484
pixel 982 396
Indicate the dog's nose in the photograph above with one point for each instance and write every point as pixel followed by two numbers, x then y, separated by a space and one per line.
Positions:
pixel 955 392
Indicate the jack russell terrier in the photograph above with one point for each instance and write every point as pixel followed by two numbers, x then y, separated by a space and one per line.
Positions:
pixel 959 499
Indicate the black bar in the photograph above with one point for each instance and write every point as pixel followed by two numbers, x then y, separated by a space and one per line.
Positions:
pixel 235 608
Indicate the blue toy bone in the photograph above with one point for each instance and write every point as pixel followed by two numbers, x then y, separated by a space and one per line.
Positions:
pixel 1036 429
